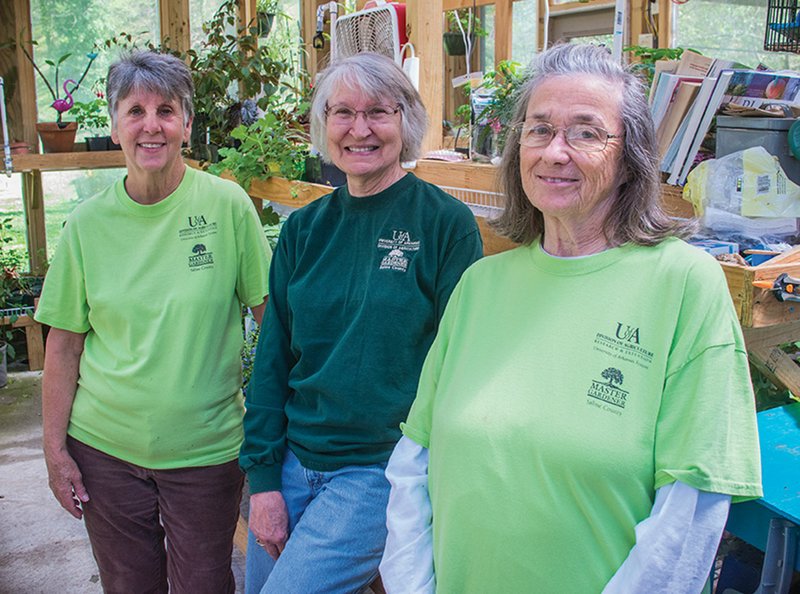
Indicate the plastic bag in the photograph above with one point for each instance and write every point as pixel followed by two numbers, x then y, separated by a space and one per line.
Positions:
pixel 749 183
pixel 744 194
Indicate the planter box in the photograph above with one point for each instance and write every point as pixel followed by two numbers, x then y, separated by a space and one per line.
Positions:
pixel 758 307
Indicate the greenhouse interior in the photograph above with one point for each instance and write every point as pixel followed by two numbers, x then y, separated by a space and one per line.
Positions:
pixel 386 399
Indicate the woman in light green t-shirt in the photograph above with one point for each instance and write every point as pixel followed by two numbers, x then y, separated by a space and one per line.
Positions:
pixel 142 403
pixel 584 417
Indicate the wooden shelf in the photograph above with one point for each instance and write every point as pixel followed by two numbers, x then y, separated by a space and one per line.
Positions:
pixel 65 161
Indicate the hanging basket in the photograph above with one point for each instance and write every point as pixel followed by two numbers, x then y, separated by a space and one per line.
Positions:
pixel 454 43
pixel 264 20
pixel 57 139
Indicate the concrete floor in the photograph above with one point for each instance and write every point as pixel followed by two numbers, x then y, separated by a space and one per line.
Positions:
pixel 43 550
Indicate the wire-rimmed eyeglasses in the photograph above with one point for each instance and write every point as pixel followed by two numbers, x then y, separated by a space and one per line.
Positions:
pixel 581 137
pixel 345 115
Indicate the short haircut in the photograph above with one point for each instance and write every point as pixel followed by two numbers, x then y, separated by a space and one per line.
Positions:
pixel 143 70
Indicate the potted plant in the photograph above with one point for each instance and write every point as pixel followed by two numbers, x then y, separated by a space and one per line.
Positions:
pixel 58 136
pixel 226 61
pixel 92 116
pixel 462 25
pixel 493 107
pixel 273 145
pixel 265 15
pixel 12 291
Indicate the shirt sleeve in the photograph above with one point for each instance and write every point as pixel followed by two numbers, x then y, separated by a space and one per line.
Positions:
pixel 264 442
pixel 64 303
pixel 676 545
pixel 254 255
pixel 407 564
pixel 706 432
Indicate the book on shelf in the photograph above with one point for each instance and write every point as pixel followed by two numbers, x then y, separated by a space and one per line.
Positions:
pixel 692 145
pixel 698 121
pixel 665 94
pixel 676 112
pixel 694 64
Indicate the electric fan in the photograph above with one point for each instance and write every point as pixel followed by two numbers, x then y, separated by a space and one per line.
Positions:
pixel 380 29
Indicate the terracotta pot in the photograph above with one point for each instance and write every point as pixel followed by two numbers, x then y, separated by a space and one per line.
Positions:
pixel 20 148
pixel 56 139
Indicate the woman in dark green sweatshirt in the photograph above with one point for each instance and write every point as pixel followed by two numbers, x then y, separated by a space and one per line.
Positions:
pixel 358 284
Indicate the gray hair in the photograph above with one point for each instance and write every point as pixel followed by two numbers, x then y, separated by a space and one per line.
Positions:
pixel 378 77
pixel 636 215
pixel 143 70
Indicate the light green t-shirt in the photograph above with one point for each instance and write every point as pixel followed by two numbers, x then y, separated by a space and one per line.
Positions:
pixel 560 394
pixel 158 291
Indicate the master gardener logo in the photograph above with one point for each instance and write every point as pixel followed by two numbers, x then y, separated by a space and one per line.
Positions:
pixel 608 393
pixel 201 258
pixel 398 246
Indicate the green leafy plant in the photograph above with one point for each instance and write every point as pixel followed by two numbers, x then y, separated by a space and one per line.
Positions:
pixel 463 19
pixel 273 145
pixel 92 116
pixel 229 68
pixel 268 6
pixel 12 287
pixel 503 85
pixel 646 58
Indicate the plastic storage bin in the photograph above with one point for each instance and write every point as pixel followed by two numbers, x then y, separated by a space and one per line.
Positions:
pixel 737 133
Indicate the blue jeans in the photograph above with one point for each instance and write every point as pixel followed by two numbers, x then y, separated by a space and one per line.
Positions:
pixel 337 532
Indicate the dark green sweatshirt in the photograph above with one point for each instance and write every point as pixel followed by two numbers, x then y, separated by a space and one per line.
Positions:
pixel 357 288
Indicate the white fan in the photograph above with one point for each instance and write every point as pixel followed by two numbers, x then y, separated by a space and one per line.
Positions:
pixel 370 30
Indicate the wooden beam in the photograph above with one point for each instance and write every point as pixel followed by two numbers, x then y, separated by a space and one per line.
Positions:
pixel 454 4
pixel 580 6
pixel 665 23
pixel 17 72
pixel 65 161
pixel 503 16
pixel 33 205
pixel 174 15
pixel 424 26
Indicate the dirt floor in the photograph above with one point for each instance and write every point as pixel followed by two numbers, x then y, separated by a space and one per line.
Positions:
pixel 43 550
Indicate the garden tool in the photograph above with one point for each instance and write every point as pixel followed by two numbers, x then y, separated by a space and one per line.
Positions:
pixel 785 288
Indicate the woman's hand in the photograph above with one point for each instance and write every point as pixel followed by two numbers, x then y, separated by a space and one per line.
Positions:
pixel 66 481
pixel 269 521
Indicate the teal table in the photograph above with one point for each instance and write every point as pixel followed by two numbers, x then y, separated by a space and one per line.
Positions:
pixel 773 523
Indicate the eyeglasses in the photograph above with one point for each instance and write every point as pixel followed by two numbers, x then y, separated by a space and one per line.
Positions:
pixel 581 137
pixel 342 115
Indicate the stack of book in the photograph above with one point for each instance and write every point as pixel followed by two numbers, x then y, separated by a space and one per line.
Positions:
pixel 686 95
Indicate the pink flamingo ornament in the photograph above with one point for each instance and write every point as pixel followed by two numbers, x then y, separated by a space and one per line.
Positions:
pixel 62 105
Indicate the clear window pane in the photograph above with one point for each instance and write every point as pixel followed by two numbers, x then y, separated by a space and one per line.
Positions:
pixel 524 31
pixel 737 34
pixel 75 28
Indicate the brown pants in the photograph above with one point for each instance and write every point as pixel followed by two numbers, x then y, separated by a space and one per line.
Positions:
pixel 132 509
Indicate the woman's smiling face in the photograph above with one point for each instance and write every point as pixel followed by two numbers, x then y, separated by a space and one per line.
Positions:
pixel 365 150
pixel 563 183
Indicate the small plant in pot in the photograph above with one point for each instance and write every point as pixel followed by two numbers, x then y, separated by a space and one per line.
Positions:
pixel 92 116
pixel 58 136
pixel 462 26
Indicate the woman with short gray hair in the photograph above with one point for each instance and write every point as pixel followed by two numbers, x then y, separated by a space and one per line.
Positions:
pixel 142 401
pixel 358 285
pixel 584 417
